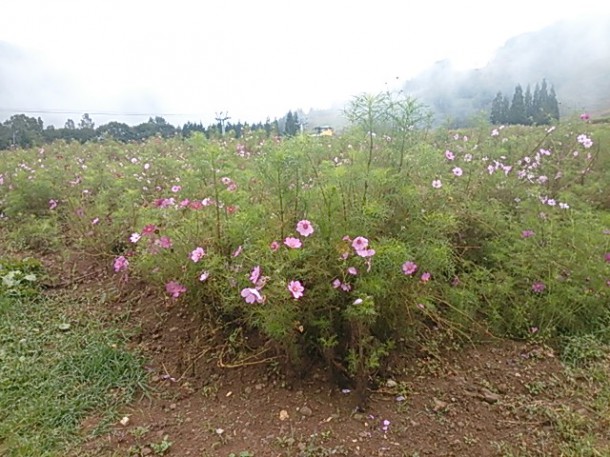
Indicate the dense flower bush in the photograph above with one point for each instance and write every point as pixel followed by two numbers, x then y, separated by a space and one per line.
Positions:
pixel 343 248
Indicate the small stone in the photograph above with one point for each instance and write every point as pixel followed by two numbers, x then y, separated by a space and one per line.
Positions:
pixel 146 451
pixel 172 406
pixel 124 421
pixel 438 404
pixel 259 386
pixel 306 411
pixel 391 383
pixel 489 396
pixel 284 415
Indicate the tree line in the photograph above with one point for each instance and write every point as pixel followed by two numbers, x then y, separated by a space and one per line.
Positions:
pixel 539 108
pixel 25 132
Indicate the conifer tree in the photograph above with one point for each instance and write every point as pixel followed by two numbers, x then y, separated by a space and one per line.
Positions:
pixel 529 109
pixel 516 113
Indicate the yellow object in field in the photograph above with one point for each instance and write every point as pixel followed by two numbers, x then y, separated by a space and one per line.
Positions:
pixel 324 130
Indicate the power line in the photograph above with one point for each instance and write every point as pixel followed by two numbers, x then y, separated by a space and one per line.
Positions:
pixel 93 113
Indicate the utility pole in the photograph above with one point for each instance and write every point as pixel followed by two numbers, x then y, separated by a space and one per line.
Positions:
pixel 222 117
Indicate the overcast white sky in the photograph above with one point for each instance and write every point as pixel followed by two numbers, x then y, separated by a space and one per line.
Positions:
pixel 254 58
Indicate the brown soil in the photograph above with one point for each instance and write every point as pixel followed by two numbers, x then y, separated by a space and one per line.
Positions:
pixel 209 399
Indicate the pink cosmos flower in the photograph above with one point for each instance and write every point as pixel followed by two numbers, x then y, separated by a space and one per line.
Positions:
pixel 352 271
pixel 538 287
pixel 305 228
pixel 204 275
pixel 175 289
pixel 176 189
pixel 226 180
pixel 408 268
pixel 95 221
pixel 527 233
pixel 607 257
pixel 296 289
pixel 135 237
pixel 197 254
pixel 274 246
pixel 336 283
pixel 437 184
pixel 449 155
pixel 293 243
pixel 360 243
pixel 425 277
pixel 495 132
pixel 52 204
pixel 195 205
pixel 120 264
pixel 252 295
pixel 346 287
pixel 165 242
pixel 237 251
pixel 255 274
pixel 149 229
pixel 457 171
pixel 585 116
pixel 366 252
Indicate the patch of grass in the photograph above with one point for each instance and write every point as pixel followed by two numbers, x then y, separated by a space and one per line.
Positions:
pixel 58 364
pixel 582 350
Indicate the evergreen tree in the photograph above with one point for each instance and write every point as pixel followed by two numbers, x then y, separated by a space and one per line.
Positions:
pixel 552 107
pixel 516 113
pixel 529 108
pixel 540 104
pixel 497 115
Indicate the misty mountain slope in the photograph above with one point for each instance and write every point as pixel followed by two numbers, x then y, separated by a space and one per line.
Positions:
pixel 573 56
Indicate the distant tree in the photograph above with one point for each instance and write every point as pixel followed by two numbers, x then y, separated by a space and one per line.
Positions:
pixel 516 113
pixel 70 124
pixel 529 106
pixel 5 137
pixel 291 126
pixel 86 122
pixel 499 113
pixel 24 131
pixel 117 131
pixel 541 108
pixel 540 102
pixel 189 128
pixel 552 107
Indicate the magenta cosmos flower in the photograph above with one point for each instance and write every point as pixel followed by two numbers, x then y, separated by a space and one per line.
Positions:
pixel 538 287
pixel 408 268
pixel 437 184
pixel 197 254
pixel 293 243
pixel 304 228
pixel 120 264
pixel 252 295
pixel 296 289
pixel 175 289
pixel 360 243
pixel 255 274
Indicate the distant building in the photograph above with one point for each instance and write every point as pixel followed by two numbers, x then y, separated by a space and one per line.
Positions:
pixel 324 130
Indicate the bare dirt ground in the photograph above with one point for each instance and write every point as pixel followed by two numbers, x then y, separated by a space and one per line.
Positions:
pixel 503 398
